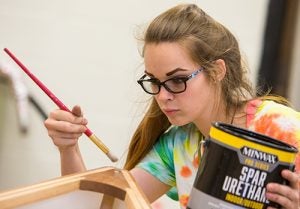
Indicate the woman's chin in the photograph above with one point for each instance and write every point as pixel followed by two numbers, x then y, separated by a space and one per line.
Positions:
pixel 178 122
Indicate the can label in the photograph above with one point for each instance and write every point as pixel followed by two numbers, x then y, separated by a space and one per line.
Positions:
pixel 234 172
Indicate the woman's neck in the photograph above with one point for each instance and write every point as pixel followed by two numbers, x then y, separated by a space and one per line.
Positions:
pixel 240 117
pixel 236 117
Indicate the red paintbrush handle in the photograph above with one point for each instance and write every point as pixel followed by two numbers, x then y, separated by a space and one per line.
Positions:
pixel 61 105
pixel 38 82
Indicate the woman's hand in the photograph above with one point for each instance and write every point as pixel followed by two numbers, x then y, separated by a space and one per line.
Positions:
pixel 65 128
pixel 287 196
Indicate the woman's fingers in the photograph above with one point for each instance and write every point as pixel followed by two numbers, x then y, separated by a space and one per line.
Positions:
pixel 61 115
pixel 285 195
pixel 64 135
pixel 292 177
pixel 77 111
pixel 66 127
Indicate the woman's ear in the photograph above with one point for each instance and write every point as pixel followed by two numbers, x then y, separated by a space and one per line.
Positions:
pixel 221 69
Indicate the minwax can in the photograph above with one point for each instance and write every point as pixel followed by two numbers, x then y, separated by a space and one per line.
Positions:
pixel 236 166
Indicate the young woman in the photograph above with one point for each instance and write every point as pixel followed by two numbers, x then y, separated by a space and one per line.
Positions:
pixel 194 70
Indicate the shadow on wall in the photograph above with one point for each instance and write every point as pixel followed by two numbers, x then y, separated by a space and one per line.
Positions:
pixel 22 146
pixel 3 104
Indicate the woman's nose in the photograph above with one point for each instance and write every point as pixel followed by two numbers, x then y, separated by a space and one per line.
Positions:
pixel 164 94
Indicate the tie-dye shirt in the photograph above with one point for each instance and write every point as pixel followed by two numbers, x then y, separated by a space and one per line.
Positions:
pixel 174 158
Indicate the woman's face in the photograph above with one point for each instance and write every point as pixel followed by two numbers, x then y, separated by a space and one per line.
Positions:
pixel 167 60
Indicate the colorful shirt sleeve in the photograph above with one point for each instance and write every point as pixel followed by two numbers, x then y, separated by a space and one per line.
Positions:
pixel 174 160
pixel 159 162
pixel 279 122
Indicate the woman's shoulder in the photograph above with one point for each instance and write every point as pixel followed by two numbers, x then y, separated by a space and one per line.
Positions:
pixel 271 109
pixel 276 109
pixel 276 120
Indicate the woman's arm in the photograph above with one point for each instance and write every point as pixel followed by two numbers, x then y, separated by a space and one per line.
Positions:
pixel 71 161
pixel 151 186
pixel 65 128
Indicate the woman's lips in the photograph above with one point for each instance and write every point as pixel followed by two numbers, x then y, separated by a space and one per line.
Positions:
pixel 170 111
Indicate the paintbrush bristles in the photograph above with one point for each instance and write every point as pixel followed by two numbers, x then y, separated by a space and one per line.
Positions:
pixel 112 157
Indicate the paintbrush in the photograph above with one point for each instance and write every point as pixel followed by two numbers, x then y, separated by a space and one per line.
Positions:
pixel 88 132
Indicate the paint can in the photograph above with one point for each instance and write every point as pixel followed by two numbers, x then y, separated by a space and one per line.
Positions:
pixel 236 166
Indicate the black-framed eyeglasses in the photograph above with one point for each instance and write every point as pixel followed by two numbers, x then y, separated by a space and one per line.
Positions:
pixel 173 85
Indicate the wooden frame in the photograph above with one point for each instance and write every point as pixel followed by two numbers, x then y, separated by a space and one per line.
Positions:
pixel 111 182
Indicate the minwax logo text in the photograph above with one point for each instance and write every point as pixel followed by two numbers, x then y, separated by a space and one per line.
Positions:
pixel 259 155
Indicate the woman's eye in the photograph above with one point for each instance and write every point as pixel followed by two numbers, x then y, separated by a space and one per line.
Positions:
pixel 154 81
pixel 177 80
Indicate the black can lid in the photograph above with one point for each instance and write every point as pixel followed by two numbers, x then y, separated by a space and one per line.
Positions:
pixel 254 137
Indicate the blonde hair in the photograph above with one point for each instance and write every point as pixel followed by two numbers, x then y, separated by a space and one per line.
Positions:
pixel 206 41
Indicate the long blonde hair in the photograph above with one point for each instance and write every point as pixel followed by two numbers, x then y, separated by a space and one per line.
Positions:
pixel 206 41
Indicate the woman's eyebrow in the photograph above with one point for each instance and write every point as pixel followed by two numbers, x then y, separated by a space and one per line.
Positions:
pixel 169 73
pixel 175 71
pixel 149 74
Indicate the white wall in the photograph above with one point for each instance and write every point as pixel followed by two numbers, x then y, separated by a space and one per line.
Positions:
pixel 86 53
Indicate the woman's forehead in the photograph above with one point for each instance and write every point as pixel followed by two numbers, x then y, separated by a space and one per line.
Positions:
pixel 168 56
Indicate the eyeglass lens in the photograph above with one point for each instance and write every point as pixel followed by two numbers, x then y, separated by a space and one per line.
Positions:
pixel 174 85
